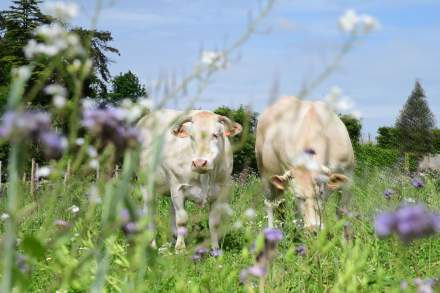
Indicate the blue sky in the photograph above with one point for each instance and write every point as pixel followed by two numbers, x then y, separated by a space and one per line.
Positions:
pixel 293 44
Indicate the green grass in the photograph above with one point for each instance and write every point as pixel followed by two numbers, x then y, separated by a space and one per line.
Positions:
pixel 368 264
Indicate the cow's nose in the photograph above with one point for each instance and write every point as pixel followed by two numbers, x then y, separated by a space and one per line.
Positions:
pixel 200 163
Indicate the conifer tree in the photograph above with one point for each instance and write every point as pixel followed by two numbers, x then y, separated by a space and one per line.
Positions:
pixel 415 124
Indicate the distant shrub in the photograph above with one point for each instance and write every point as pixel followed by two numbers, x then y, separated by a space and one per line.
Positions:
pixel 353 126
pixel 374 156
pixel 387 137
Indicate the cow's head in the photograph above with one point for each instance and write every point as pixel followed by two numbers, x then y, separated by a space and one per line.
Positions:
pixel 309 188
pixel 207 132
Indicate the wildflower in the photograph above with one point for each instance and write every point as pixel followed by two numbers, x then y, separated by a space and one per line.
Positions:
pixel 417 182
pixel 23 72
pixel 301 250
pixel 43 171
pixel 255 271
pixel 199 253
pixel 94 164
pixel 21 263
pixel 214 59
pixel 130 228
pixel 109 126
pixel 79 141
pixel 61 224
pixel 74 209
pixel 273 235
pixel 92 152
pixel 351 22
pixel 34 126
pixel 94 196
pixel 425 286
pixel 61 10
pixel 388 193
pixel 250 213
pixel 4 216
pixel 216 252
pixel 58 94
pixel 408 222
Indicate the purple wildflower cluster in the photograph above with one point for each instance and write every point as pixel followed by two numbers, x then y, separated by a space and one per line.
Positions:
pixel 388 193
pixel 301 250
pixel 408 222
pixel 200 253
pixel 109 126
pixel 271 239
pixel 128 224
pixel 417 182
pixel 33 126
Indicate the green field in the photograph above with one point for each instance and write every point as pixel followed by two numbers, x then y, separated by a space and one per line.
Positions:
pixel 66 258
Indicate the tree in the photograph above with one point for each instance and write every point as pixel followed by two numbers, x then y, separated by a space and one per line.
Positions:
pixel 387 138
pixel 16 26
pixel 126 85
pixel 353 126
pixel 244 144
pixel 98 44
pixel 415 124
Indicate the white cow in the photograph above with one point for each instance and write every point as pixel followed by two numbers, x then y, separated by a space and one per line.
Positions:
pixel 195 163
pixel 301 145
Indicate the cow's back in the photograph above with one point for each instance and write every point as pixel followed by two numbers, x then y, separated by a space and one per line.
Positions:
pixel 290 126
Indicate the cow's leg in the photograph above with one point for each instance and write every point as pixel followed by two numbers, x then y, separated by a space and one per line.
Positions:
pixel 269 209
pixel 149 212
pixel 178 200
pixel 311 210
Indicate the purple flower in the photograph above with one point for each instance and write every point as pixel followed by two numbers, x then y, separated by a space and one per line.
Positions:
pixel 301 250
pixel 130 228
pixel 216 252
pixel 417 182
pixel 32 126
pixel 108 125
pixel 273 235
pixel 61 224
pixel 255 270
pixel 22 263
pixel 200 253
pixel 388 193
pixel 408 222
pixel 425 286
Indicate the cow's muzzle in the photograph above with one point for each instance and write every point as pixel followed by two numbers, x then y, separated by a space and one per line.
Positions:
pixel 200 165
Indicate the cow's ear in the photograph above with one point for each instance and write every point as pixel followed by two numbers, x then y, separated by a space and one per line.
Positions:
pixel 182 129
pixel 231 128
pixel 234 130
pixel 279 182
pixel 336 181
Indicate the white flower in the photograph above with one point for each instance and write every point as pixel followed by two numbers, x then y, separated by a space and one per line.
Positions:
pixel 74 209
pixel 23 72
pixel 94 164
pixel 369 23
pixel 410 200
pixel 215 59
pixel 145 103
pixel 250 213
pixel 43 171
pixel 88 103
pixel 338 103
pixel 91 151
pixel 4 216
pixel 61 10
pixel 348 21
pixel 55 89
pixel 351 22
pixel 79 141
pixel 59 101
pixel 238 225
pixel 126 103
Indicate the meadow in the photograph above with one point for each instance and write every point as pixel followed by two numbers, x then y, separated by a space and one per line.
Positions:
pixel 63 255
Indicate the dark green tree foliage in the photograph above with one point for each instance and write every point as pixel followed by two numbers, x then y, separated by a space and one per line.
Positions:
pixel 126 85
pixel 387 137
pixel 98 44
pixel 353 126
pixel 244 144
pixel 16 26
pixel 415 124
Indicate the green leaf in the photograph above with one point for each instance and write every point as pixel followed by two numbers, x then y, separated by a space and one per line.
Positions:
pixel 32 246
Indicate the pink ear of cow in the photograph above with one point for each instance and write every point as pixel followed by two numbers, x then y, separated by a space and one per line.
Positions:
pixel 336 181
pixel 279 182
pixel 181 131
pixel 233 130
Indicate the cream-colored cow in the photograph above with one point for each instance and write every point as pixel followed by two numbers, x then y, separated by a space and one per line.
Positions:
pixel 190 157
pixel 304 146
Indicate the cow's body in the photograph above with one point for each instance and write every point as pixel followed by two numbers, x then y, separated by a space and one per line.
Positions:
pixel 191 165
pixel 293 138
